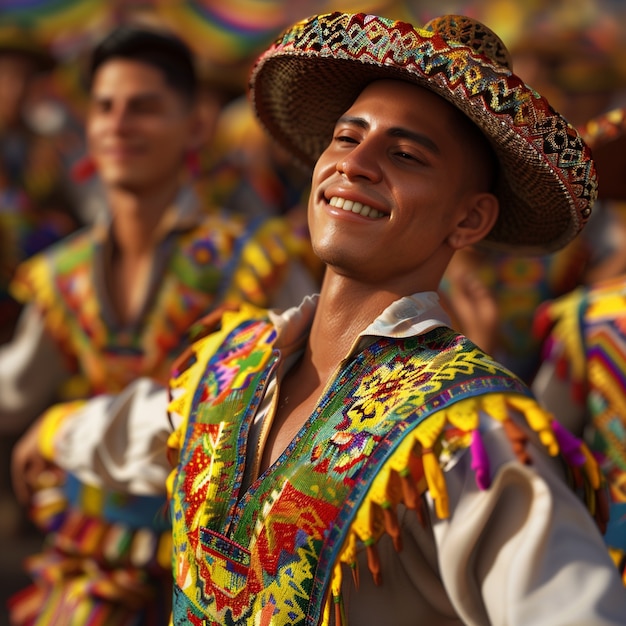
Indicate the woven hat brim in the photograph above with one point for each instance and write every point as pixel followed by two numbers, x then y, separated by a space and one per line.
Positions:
pixel 547 182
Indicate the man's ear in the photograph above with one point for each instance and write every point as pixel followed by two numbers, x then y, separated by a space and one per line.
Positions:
pixel 481 215
pixel 208 111
pixel 200 132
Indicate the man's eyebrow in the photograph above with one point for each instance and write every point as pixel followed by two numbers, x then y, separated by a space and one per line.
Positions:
pixel 145 96
pixel 419 138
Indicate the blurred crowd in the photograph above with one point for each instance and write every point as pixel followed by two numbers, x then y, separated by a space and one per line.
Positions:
pixel 98 287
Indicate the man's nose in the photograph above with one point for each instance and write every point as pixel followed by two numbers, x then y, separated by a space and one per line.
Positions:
pixel 119 119
pixel 363 161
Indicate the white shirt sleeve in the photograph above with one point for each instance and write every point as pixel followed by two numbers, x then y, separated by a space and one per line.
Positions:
pixel 525 551
pixel 119 442
pixel 32 369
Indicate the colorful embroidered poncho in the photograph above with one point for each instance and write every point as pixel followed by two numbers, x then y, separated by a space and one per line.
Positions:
pixel 217 261
pixel 108 552
pixel 378 437
pixel 585 340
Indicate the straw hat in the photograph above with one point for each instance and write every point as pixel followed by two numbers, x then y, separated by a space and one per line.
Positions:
pixel 606 135
pixel 312 74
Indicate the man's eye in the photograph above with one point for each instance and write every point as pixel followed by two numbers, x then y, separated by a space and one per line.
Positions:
pixel 101 106
pixel 345 139
pixel 409 156
pixel 145 108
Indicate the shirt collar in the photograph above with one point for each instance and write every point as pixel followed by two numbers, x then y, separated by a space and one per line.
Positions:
pixel 185 213
pixel 407 317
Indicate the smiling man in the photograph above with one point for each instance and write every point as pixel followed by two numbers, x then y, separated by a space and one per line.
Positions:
pixel 115 303
pixel 355 460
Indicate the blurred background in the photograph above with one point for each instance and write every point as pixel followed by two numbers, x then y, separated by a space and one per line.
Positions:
pixel 571 51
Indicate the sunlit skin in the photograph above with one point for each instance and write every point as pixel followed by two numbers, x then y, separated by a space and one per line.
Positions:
pixel 398 150
pixel 139 131
pixel 402 151
pixel 139 128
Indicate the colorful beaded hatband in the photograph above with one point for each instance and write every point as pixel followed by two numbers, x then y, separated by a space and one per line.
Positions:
pixel 316 69
pixel 606 135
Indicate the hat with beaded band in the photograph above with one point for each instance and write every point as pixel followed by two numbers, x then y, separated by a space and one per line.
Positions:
pixel 312 74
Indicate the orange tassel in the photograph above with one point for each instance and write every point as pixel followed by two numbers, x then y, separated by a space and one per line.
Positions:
pixel 338 612
pixel 354 568
pixel 518 440
pixel 392 527
pixel 409 492
pixel 373 563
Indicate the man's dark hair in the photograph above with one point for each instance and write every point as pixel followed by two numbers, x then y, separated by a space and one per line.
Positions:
pixel 160 49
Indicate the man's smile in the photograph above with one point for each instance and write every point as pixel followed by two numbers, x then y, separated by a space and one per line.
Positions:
pixel 355 207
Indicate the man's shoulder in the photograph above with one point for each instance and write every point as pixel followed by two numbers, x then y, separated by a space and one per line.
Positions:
pixel 447 348
pixel 222 340
pixel 217 331
pixel 72 253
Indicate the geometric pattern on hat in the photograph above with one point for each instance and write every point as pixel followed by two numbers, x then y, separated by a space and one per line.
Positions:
pixel 310 76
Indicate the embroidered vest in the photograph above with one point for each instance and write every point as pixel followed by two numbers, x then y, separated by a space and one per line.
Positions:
pixel 390 414
pixel 589 324
pixel 216 262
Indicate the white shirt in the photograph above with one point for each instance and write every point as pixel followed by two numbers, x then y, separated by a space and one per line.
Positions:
pixel 33 367
pixel 524 552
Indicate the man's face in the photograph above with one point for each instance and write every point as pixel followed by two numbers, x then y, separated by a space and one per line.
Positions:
pixel 138 128
pixel 397 162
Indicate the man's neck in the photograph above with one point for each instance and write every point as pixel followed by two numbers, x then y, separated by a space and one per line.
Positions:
pixel 137 216
pixel 344 310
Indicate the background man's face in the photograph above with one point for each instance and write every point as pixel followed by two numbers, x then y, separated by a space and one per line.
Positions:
pixel 138 127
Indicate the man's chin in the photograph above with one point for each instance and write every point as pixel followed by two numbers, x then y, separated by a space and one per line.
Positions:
pixel 125 183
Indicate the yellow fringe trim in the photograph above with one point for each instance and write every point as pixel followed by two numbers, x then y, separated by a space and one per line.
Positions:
pixel 566 330
pixel 269 250
pixel 33 283
pixel 424 442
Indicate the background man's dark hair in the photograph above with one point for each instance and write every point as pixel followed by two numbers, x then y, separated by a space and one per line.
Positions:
pixel 160 49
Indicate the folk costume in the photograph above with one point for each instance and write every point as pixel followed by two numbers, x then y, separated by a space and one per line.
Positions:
pixel 583 379
pixel 414 419
pixel 272 553
pixel 408 412
pixel 108 556
pixel 74 344
pixel 583 373
pixel 380 488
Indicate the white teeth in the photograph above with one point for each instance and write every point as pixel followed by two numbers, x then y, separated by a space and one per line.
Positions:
pixel 355 207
